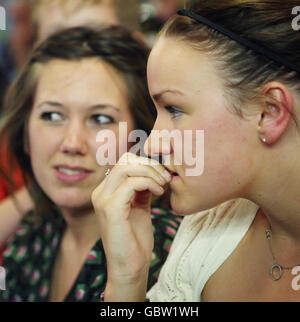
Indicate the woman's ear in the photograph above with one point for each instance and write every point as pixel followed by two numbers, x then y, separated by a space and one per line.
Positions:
pixel 277 112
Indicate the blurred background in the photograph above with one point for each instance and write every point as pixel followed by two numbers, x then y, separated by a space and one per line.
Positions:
pixel 30 21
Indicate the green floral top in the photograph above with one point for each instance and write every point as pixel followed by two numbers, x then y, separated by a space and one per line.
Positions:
pixel 29 258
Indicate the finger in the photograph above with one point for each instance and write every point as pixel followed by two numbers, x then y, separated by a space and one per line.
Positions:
pixel 101 197
pixel 121 172
pixel 125 193
pixel 130 158
pixel 134 168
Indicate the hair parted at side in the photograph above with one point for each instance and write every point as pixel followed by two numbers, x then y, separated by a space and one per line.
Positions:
pixel 244 72
pixel 114 45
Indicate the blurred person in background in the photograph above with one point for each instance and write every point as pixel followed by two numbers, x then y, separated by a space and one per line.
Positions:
pixel 50 16
pixel 32 21
pixel 16 41
pixel 154 14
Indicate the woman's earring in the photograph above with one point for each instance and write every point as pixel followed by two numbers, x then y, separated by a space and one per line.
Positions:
pixel 264 139
pixel 261 135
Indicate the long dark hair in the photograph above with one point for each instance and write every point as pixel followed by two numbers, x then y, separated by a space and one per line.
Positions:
pixel 114 45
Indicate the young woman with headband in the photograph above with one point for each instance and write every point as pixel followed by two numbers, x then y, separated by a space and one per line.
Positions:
pixel 229 68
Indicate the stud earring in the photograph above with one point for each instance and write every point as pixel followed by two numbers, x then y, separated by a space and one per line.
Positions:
pixel 264 139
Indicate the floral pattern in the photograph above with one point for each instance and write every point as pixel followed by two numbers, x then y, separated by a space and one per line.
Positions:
pixel 30 256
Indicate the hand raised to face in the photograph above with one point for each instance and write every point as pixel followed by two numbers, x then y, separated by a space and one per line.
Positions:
pixel 122 203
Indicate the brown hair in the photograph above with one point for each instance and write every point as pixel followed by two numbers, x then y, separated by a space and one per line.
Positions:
pixel 267 22
pixel 114 45
pixel 127 11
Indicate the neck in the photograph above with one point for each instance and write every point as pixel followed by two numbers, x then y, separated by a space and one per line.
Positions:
pixel 283 218
pixel 279 201
pixel 284 243
pixel 82 228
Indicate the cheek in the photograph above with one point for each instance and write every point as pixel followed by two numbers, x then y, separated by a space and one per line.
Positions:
pixel 39 156
pixel 43 142
pixel 36 143
pixel 110 145
pixel 122 144
pixel 222 153
pixel 106 152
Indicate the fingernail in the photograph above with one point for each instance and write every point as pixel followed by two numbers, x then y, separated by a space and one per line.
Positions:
pixel 162 179
pixel 167 175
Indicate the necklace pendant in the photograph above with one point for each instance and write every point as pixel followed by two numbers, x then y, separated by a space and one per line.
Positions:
pixel 275 276
pixel 268 234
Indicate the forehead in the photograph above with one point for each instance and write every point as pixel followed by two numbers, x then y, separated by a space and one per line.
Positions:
pixel 175 64
pixel 83 80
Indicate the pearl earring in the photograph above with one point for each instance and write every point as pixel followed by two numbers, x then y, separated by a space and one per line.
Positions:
pixel 264 139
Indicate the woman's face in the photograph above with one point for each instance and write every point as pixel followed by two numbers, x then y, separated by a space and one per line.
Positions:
pixel 188 94
pixel 74 101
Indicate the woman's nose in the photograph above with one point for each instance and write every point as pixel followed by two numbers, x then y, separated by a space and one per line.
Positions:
pixel 74 140
pixel 158 142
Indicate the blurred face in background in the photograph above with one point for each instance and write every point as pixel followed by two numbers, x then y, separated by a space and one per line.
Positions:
pixel 57 15
pixel 165 8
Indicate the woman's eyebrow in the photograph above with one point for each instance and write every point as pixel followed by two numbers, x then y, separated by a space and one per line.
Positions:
pixel 93 107
pixel 103 106
pixel 51 103
pixel 157 96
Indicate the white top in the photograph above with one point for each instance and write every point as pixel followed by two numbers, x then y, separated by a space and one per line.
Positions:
pixel 203 242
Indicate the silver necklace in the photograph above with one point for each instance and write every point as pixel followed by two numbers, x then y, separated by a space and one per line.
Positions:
pixel 275 267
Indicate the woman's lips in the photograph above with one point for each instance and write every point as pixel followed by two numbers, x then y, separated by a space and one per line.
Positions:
pixel 70 174
pixel 173 174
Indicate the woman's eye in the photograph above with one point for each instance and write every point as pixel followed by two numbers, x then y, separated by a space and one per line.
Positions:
pixel 51 116
pixel 174 111
pixel 102 119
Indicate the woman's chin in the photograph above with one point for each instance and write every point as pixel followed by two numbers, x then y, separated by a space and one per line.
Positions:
pixel 181 208
pixel 73 202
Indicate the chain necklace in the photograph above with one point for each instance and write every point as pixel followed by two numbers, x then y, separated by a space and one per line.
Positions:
pixel 275 266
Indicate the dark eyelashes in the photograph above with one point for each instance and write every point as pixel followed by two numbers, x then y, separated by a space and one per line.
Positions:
pixel 97 117
pixel 47 115
pixel 170 109
pixel 174 111
pixel 100 119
